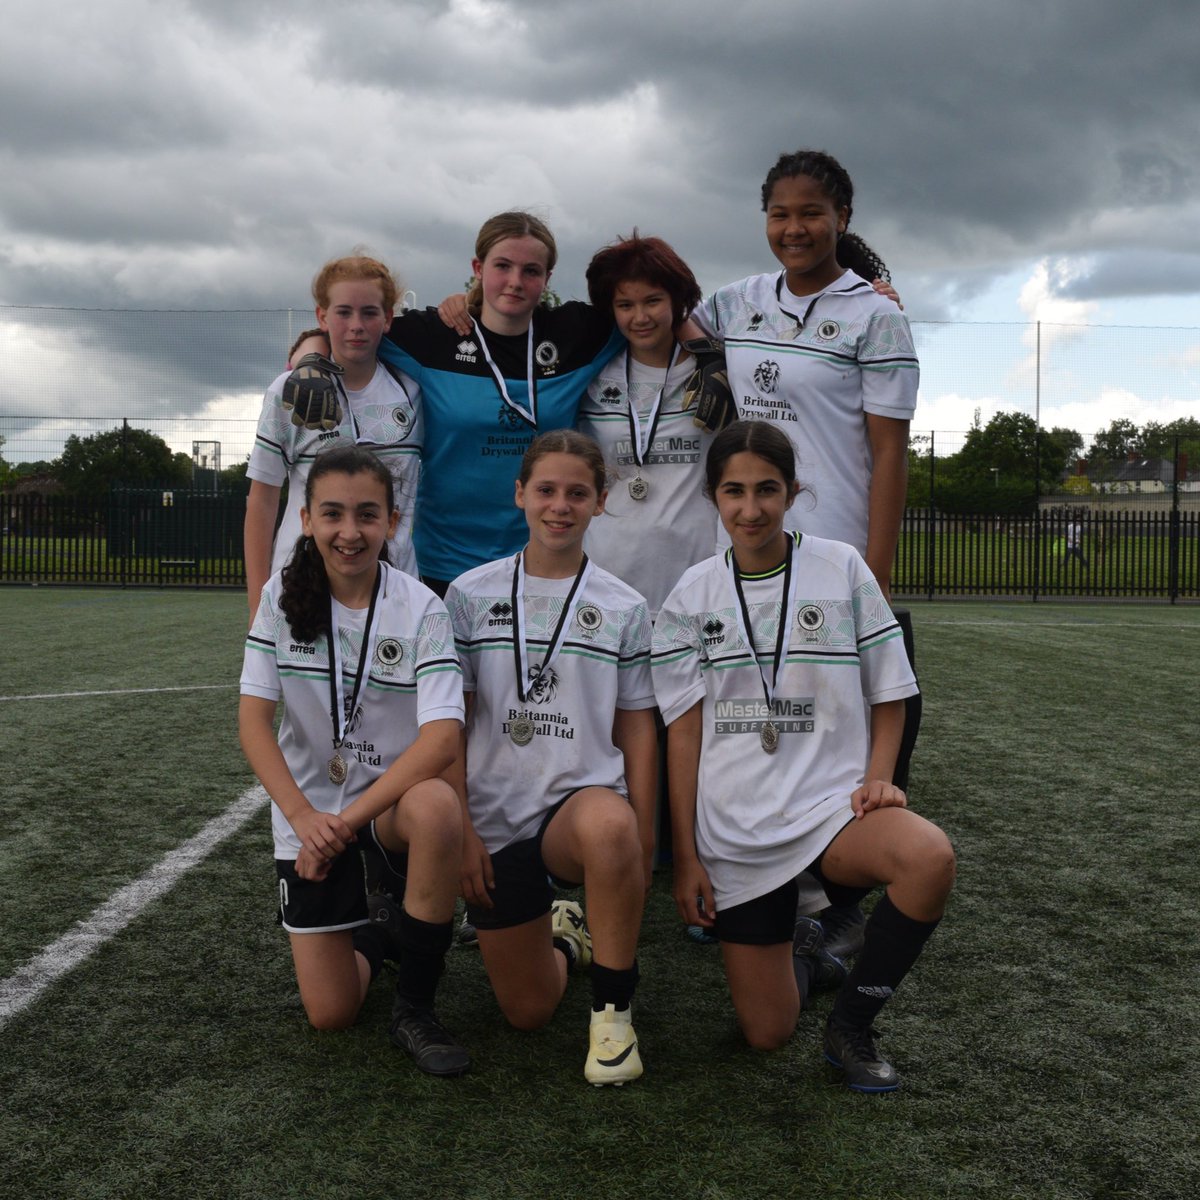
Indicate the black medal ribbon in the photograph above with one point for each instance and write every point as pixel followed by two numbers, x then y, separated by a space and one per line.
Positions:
pixel 800 321
pixel 635 430
pixel 770 732
pixel 518 604
pixel 337 709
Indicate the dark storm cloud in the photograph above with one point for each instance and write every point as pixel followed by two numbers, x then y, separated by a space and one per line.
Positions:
pixel 211 154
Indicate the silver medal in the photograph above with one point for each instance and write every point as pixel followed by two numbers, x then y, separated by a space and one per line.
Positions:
pixel 639 489
pixel 520 729
pixel 337 770
pixel 769 737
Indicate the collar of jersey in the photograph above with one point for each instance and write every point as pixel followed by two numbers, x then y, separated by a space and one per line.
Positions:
pixel 770 572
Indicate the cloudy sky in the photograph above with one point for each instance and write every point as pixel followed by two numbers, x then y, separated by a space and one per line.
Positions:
pixel 1012 162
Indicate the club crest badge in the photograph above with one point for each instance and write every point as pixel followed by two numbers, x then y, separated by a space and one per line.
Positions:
pixel 589 618
pixel 543 685
pixel 810 618
pixel 389 652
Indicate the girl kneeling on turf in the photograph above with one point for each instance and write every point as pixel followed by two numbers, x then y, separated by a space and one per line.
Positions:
pixel 367 730
pixel 765 661
pixel 560 758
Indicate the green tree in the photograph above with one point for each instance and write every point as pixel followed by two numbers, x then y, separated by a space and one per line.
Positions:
pixel 125 457
pixel 1112 446
pixel 1064 443
pixel 233 479
pixel 7 474
pixel 1004 465
pixel 1158 441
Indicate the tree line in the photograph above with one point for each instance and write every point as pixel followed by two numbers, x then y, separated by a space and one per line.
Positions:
pixel 1005 465
pixel 1001 468
pixel 127 457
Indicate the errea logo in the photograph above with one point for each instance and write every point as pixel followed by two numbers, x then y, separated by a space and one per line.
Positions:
pixel 611 395
pixel 714 631
pixel 501 613
pixel 467 352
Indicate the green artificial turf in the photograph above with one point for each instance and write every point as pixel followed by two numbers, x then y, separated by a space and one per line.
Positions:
pixel 1045 1038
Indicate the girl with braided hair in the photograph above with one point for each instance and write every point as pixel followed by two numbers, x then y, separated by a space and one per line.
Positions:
pixel 816 350
pixel 362 656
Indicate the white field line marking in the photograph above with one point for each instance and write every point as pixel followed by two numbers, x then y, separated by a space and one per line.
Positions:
pixel 21 989
pixel 197 687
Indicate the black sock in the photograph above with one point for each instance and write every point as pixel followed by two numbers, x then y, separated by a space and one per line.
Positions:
pixel 893 942
pixel 423 947
pixel 567 948
pixel 803 966
pixel 371 942
pixel 613 987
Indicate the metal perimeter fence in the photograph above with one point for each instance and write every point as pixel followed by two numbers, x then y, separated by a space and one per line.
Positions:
pixel 182 537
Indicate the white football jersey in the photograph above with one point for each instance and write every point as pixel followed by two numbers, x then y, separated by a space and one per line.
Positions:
pixel 604 665
pixel 816 366
pixel 384 417
pixel 411 677
pixel 650 542
pixel 762 818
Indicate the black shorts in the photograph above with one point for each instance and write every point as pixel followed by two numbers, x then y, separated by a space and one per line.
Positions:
pixel 339 901
pixel 524 888
pixel 763 921
pixel 767 920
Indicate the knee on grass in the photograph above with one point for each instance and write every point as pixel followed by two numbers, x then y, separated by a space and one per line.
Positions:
pixel 529 1013
pixel 330 1017
pixel 768 1031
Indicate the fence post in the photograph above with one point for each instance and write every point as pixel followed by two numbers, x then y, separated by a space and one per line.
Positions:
pixel 1173 539
pixel 929 518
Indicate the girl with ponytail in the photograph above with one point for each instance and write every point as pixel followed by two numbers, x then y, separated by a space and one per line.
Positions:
pixel 362 657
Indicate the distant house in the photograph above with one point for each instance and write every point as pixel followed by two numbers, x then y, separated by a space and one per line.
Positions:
pixel 1146 476
pixel 41 484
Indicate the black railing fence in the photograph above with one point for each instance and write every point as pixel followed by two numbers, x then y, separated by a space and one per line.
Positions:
pixel 1061 551
pixel 137 536
pixel 180 537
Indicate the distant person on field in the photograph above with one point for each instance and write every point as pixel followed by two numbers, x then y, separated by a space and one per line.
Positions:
pixel 1074 542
